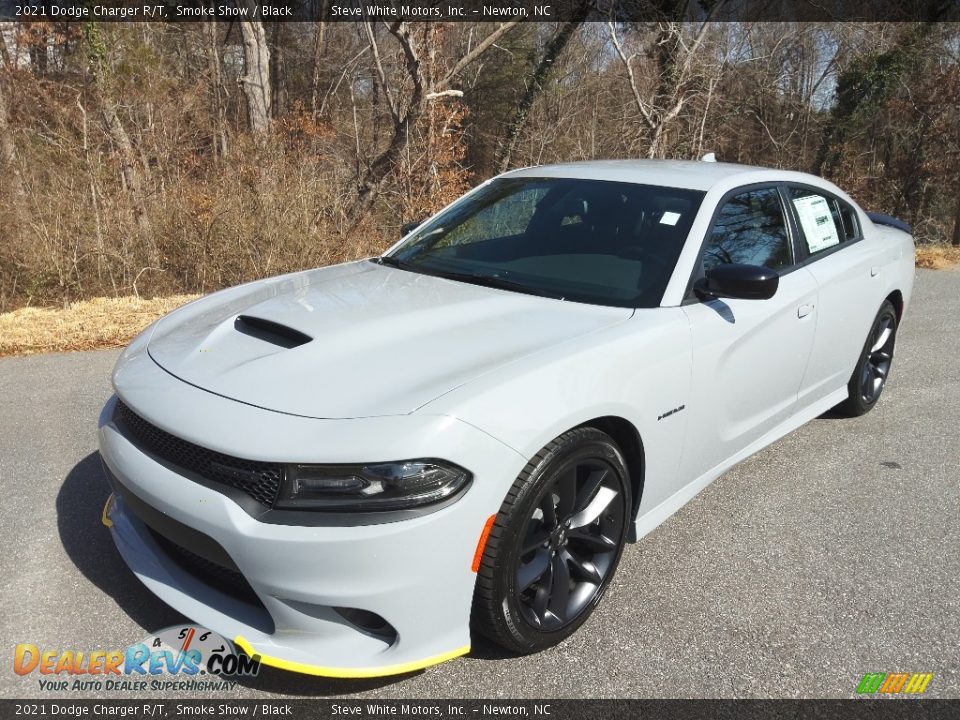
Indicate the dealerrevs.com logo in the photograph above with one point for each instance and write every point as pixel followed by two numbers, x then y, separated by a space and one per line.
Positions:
pixel 894 683
pixel 175 658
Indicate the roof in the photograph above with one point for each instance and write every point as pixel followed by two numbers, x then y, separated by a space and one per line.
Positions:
pixel 691 174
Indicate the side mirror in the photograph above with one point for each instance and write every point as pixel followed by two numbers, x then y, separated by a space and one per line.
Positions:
pixel 409 227
pixel 744 282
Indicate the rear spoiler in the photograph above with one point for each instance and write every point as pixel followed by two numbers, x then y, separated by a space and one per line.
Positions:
pixel 890 222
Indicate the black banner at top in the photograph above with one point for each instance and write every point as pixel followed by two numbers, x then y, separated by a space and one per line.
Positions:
pixel 479 10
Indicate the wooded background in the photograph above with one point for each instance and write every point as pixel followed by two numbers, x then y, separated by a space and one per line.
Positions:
pixel 158 158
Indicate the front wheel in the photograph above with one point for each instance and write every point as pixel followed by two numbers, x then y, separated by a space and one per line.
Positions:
pixel 874 364
pixel 555 544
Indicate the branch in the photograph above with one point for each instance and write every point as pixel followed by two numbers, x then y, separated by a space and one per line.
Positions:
pixel 333 87
pixel 631 77
pixel 697 41
pixel 678 94
pixel 401 31
pixel 477 51
pixel 443 93
pixel 383 76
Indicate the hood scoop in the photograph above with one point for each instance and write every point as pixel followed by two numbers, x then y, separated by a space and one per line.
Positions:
pixel 270 331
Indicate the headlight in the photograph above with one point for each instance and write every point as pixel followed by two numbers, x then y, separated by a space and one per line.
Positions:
pixel 378 486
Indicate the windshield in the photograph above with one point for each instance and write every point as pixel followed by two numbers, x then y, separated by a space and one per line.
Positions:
pixel 593 241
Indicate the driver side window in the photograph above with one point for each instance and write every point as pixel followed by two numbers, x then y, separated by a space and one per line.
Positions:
pixel 750 229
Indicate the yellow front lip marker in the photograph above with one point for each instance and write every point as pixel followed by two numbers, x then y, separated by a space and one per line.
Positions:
pixel 105 515
pixel 353 673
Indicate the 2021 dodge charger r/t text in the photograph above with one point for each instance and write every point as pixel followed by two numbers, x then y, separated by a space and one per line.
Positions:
pixel 349 469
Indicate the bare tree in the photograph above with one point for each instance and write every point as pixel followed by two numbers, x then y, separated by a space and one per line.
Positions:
pixel 319 47
pixel 219 90
pixel 278 72
pixel 552 51
pixel 131 172
pixel 255 80
pixel 421 91
pixel 129 164
pixel 4 52
pixel 9 161
pixel 673 54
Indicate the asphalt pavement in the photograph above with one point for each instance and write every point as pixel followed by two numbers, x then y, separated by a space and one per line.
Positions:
pixel 833 553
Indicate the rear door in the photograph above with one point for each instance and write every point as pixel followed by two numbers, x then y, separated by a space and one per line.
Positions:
pixel 848 270
pixel 749 356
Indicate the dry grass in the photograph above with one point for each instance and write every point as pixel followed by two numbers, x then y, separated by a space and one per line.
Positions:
pixel 85 325
pixel 937 257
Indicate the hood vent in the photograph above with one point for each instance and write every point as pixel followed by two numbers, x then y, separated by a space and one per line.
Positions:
pixel 271 332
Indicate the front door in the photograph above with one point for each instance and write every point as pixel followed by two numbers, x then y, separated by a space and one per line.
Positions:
pixel 749 356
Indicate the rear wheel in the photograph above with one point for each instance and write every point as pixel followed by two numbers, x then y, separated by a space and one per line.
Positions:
pixel 874 364
pixel 555 543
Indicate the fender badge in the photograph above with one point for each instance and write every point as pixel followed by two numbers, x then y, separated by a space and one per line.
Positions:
pixel 668 413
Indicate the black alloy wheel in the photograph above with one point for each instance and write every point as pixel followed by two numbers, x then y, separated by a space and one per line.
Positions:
pixel 873 368
pixel 555 544
pixel 570 543
pixel 879 358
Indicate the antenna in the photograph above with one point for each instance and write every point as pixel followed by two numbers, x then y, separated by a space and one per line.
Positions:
pixel 709 157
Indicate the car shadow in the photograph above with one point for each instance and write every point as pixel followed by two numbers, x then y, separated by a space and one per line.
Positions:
pixel 722 309
pixel 483 649
pixel 89 546
pixel 833 414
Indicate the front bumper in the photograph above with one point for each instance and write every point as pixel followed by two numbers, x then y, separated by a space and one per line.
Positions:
pixel 415 574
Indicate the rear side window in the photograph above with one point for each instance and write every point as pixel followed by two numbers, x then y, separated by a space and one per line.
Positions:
pixel 750 229
pixel 825 221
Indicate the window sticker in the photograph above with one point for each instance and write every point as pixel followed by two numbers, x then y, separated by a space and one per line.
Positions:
pixel 817 222
pixel 669 218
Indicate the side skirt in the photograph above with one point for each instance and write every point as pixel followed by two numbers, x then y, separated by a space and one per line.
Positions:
pixel 650 520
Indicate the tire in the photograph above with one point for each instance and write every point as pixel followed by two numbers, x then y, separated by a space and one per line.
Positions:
pixel 581 481
pixel 873 367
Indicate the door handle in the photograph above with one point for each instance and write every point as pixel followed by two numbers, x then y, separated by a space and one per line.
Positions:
pixel 804 310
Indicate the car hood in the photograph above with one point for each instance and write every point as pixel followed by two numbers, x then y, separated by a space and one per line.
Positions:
pixel 359 340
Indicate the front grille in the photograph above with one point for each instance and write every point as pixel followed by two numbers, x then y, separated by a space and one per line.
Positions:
pixel 259 480
pixel 229 582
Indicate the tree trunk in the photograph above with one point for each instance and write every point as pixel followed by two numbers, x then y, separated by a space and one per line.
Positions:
pixel 369 185
pixel 38 48
pixel 424 90
pixel 551 53
pixel 256 76
pixel 319 47
pixel 216 79
pixel 955 240
pixel 129 170
pixel 9 165
pixel 278 87
pixel 5 53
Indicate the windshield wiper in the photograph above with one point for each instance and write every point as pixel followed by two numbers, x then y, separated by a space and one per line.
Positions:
pixel 391 261
pixel 472 278
pixel 496 282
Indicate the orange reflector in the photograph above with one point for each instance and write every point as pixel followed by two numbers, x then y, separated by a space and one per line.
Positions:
pixel 478 555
